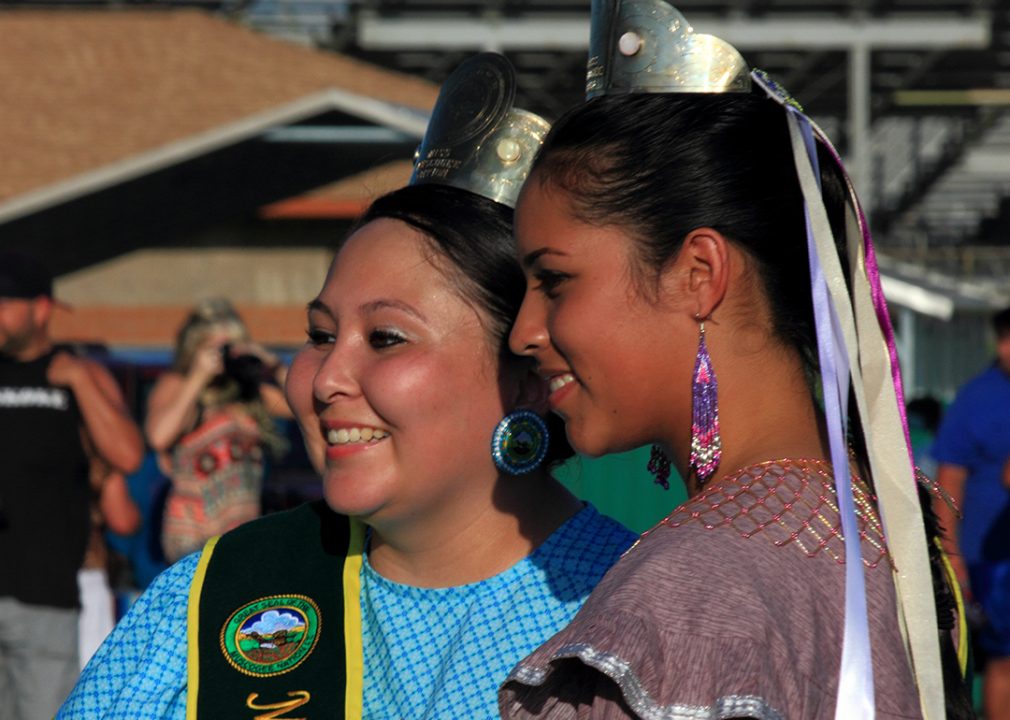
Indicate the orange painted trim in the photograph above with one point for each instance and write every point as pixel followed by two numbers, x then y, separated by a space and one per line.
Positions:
pixel 309 208
pixel 157 325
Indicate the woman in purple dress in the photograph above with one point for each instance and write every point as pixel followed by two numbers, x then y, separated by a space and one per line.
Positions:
pixel 699 280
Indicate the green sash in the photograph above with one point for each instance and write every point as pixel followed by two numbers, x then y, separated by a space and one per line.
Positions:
pixel 275 620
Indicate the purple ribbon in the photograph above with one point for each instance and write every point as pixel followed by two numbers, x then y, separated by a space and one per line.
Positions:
pixel 879 301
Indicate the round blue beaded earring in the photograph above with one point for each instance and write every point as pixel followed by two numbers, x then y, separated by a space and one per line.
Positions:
pixel 520 442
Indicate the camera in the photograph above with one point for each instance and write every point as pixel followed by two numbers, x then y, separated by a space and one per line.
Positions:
pixel 245 369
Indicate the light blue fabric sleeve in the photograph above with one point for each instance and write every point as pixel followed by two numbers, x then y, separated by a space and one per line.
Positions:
pixel 139 672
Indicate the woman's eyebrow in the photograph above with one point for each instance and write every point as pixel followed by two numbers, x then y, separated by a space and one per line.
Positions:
pixel 536 254
pixel 382 304
pixel 319 306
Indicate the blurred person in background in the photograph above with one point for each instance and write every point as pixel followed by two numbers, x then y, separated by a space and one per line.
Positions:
pixel 148 488
pixel 444 550
pixel 211 417
pixel 112 510
pixel 57 412
pixel 972 448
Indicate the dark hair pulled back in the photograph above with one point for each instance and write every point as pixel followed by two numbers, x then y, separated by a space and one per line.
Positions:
pixel 473 235
pixel 662 165
pixel 719 161
pixel 1001 323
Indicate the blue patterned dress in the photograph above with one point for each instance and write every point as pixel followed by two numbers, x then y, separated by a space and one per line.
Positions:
pixel 429 653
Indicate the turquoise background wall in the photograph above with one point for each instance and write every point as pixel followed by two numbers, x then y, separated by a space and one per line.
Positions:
pixel 621 487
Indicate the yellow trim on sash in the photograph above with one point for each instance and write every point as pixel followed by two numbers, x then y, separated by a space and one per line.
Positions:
pixel 193 628
pixel 353 703
pixel 962 621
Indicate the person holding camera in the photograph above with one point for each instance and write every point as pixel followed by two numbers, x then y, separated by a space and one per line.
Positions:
pixel 210 418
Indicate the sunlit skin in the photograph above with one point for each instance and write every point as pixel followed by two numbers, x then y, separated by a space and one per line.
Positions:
pixel 1003 351
pixel 394 348
pixel 632 355
pixel 21 327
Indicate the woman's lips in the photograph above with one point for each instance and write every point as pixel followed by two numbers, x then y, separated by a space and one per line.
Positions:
pixel 560 386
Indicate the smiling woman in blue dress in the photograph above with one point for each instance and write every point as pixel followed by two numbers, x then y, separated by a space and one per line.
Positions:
pixel 444 550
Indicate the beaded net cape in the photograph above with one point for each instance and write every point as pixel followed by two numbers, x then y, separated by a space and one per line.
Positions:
pixel 786 502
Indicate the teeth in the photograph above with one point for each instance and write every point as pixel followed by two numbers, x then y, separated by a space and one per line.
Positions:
pixel 559 381
pixel 343 436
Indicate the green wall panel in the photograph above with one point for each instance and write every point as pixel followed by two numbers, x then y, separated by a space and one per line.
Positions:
pixel 621 487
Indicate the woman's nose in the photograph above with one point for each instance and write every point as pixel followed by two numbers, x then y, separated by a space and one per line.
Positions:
pixel 336 375
pixel 529 334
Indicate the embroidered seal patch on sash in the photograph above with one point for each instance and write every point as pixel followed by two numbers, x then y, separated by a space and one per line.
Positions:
pixel 272 635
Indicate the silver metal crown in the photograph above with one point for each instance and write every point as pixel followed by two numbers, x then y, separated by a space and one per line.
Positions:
pixel 647 46
pixel 475 139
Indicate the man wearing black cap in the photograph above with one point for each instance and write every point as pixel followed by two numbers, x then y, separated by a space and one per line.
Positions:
pixel 56 410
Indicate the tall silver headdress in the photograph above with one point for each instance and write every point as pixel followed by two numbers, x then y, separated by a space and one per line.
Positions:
pixel 475 139
pixel 646 46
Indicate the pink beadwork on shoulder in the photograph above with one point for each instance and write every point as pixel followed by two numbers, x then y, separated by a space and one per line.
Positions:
pixel 936 492
pixel 790 502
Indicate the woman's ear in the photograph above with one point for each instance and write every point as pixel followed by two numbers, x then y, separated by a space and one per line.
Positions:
pixel 702 270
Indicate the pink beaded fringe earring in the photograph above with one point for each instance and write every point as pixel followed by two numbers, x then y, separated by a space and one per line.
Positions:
pixel 706 444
